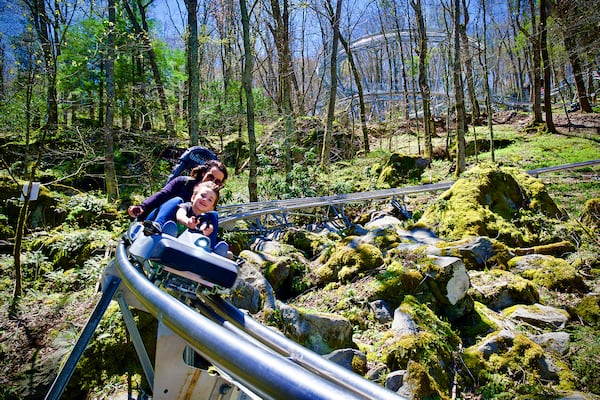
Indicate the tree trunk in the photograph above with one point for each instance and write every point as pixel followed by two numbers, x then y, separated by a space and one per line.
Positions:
pixel 24 211
pixel 361 96
pixel 247 83
pixel 564 12
pixel 423 81
pixel 458 96
pixel 475 111
pixel 403 62
pixel 486 83
pixel 547 67
pixel 327 137
pixel 110 175
pixel 536 67
pixel 193 82
pixel 281 36
pixel 51 51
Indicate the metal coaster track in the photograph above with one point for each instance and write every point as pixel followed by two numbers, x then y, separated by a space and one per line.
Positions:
pixel 251 360
pixel 267 216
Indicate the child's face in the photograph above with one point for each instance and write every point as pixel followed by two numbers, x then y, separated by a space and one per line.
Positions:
pixel 203 200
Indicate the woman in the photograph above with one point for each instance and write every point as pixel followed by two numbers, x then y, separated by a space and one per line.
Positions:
pixel 182 187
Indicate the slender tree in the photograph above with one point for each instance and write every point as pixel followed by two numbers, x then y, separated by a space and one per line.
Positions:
pixel 475 111
pixel 193 81
pixel 458 95
pixel 144 35
pixel 535 55
pixel 51 21
pixel 280 29
pixel 110 175
pixel 31 72
pixel 402 60
pixel 544 6
pixel 361 96
pixel 247 83
pixel 567 13
pixel 423 80
pixel 334 19
pixel 483 60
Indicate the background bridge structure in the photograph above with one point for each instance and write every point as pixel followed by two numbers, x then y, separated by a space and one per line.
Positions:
pixel 249 360
pixel 379 59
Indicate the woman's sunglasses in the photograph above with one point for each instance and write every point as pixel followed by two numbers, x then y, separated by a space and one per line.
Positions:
pixel 211 177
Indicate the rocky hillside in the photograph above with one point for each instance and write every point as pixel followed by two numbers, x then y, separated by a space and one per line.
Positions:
pixel 491 293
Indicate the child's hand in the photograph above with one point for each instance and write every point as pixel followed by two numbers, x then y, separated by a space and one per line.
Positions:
pixel 192 223
pixel 206 228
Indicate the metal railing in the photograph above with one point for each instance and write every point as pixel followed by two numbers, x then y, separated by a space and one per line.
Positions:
pixel 229 214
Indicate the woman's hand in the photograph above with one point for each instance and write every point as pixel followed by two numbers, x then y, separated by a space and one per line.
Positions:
pixel 134 211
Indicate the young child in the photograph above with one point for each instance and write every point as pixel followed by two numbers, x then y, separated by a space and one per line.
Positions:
pixel 197 214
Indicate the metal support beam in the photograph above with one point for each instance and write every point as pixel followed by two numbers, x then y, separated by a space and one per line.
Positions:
pixel 136 338
pixel 62 379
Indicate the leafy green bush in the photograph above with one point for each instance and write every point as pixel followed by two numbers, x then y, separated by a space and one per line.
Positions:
pixel 84 209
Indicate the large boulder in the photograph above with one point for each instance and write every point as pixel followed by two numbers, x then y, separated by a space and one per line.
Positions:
pixel 400 168
pixel 320 332
pixel 501 203
pixel 349 258
pixel 498 289
pixel 547 271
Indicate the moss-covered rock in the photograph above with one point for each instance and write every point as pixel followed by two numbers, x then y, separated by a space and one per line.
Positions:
pixel 588 309
pixel 309 243
pixel 318 331
pixel 348 260
pixel 498 289
pixel 505 357
pixel 538 315
pixel 395 282
pixel 284 267
pixel 549 272
pixel 501 203
pixel 6 231
pixel 480 322
pixel 401 168
pixel 67 249
pixel 419 384
pixel 431 346
pixel 591 214
pixel 44 211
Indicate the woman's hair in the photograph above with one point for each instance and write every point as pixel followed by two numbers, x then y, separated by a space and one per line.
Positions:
pixel 209 185
pixel 198 172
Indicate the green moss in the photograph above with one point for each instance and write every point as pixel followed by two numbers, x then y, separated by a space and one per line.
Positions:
pixel 395 282
pixel 551 273
pixel 495 202
pixel 432 346
pixel 497 283
pixel 348 261
pixel 359 365
pixel 309 243
pixel 478 322
pixel 591 213
pixel 588 309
